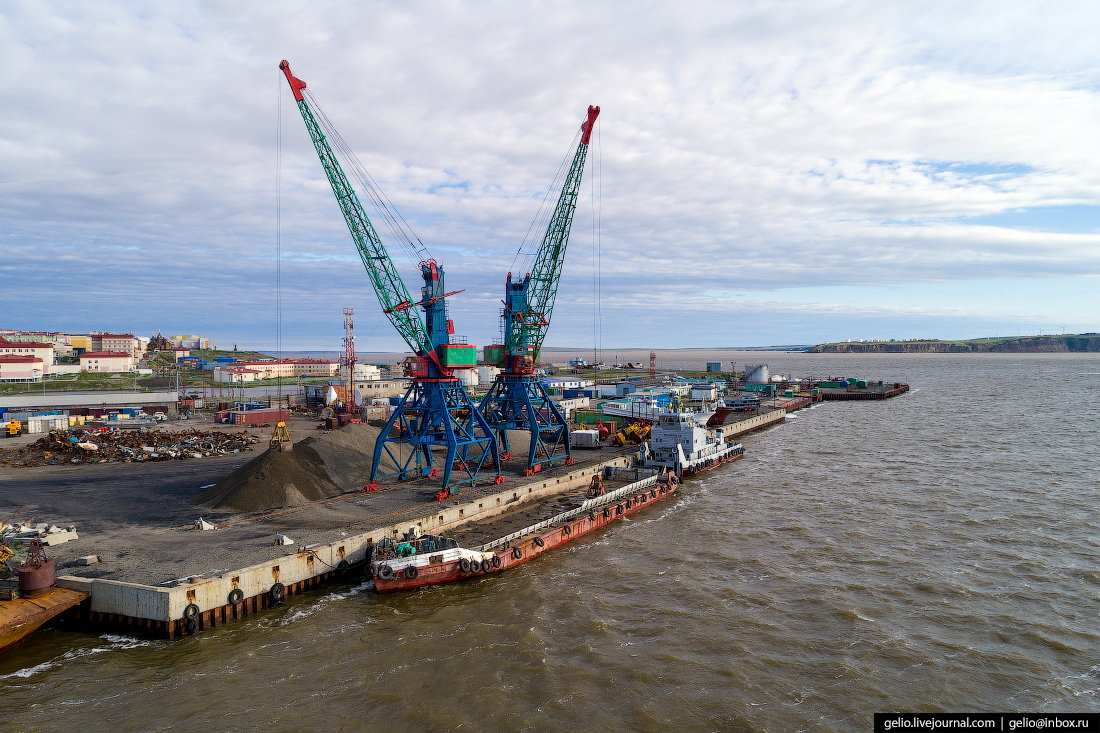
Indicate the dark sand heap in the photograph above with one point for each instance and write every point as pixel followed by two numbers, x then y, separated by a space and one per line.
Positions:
pixel 319 467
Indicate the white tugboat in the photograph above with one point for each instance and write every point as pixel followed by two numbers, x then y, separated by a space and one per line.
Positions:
pixel 681 442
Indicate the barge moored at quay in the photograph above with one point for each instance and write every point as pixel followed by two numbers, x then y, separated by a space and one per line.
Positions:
pixel 418 561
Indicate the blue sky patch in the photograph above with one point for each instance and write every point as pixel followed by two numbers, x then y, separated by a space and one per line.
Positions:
pixel 1072 219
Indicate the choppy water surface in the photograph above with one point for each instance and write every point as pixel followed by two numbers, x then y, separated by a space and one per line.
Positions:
pixel 934 552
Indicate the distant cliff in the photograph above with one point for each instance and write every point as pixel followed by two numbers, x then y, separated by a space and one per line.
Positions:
pixel 1033 344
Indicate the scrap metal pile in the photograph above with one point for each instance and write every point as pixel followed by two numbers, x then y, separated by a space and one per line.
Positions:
pixel 128 447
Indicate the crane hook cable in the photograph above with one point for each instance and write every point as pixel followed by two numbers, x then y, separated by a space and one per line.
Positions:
pixel 399 228
pixel 543 213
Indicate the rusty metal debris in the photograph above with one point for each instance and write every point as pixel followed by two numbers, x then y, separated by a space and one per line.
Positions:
pixel 38 573
pixel 63 447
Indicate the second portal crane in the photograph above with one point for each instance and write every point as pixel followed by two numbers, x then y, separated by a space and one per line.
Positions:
pixel 517 399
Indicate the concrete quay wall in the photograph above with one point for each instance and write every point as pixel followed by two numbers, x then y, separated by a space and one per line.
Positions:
pixel 160 610
pixel 753 423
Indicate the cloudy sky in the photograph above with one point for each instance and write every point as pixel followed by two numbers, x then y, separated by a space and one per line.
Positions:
pixel 762 172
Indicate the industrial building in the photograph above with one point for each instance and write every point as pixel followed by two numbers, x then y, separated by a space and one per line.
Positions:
pixel 563 383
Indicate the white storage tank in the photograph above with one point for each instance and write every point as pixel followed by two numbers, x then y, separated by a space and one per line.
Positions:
pixel 757 374
pixel 486 374
pixel 468 377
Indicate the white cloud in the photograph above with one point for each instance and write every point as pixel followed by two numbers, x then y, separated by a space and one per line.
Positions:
pixel 752 146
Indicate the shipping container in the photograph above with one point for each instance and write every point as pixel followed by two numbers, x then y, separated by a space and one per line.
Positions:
pixel 258 417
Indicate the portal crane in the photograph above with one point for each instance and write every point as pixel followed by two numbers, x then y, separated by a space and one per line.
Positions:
pixel 436 410
pixel 517 399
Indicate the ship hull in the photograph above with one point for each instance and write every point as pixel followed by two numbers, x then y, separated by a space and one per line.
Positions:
pixel 529 548
pixel 709 463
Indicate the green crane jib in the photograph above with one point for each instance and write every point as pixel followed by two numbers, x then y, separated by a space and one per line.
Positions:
pixel 388 286
pixel 529 302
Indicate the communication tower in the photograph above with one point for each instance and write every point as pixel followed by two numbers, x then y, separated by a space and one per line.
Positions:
pixel 349 357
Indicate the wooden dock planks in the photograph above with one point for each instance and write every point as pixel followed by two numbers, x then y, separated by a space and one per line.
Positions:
pixel 21 617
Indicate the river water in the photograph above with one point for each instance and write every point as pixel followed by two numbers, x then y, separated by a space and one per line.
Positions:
pixel 934 552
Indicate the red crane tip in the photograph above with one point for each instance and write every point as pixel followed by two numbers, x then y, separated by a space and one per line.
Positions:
pixel 296 84
pixel 586 128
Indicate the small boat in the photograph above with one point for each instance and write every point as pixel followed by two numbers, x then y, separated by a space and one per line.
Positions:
pixel 681 442
pixel 417 561
pixel 744 403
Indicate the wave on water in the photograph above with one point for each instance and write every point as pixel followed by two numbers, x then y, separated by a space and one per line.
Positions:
pixel 116 643
pixel 324 601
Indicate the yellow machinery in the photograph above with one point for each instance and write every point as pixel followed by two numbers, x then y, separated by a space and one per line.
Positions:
pixel 280 439
pixel 13 428
pixel 636 432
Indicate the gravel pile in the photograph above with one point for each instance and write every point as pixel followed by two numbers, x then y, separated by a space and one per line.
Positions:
pixel 319 467
pixel 273 480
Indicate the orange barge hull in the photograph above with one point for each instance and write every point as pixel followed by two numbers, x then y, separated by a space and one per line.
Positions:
pixel 528 548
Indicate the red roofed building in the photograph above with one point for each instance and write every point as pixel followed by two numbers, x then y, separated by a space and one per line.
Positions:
pixel 21 368
pixel 236 375
pixel 41 351
pixel 106 361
